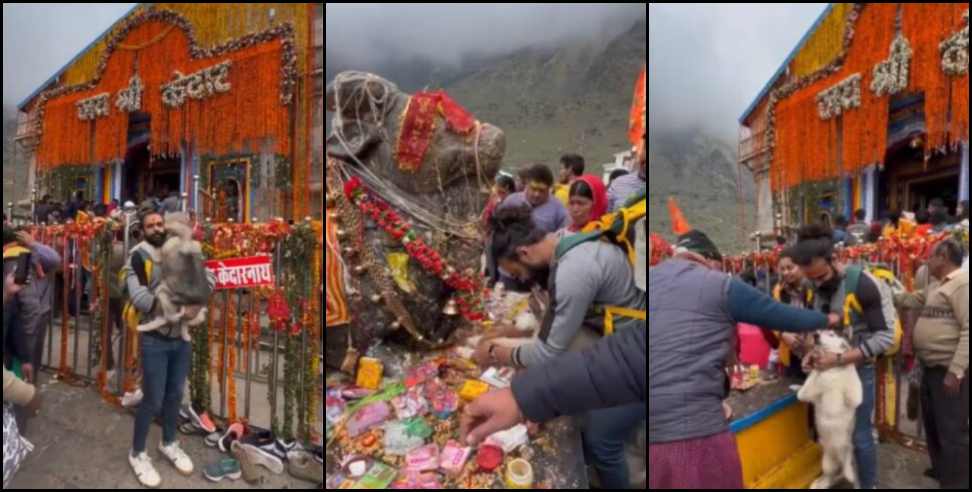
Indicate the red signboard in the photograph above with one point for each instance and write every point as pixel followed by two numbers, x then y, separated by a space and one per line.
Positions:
pixel 242 273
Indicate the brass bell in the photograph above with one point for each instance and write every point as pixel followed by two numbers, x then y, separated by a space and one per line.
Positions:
pixel 451 308
pixel 331 200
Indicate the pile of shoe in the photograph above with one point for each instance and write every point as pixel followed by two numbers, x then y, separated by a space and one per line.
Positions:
pixel 254 451
pixel 304 465
pixel 195 422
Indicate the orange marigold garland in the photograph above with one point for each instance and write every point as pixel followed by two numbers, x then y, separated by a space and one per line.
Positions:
pixel 230 373
pixel 251 111
pixel 806 148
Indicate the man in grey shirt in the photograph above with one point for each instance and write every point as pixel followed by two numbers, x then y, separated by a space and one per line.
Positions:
pixel 594 273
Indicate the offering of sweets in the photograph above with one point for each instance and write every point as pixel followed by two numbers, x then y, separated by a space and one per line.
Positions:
pixel 453 458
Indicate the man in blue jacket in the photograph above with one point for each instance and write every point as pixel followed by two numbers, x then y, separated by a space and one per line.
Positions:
pixel 694 310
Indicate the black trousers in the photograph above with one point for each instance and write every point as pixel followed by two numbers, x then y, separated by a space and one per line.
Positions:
pixel 946 421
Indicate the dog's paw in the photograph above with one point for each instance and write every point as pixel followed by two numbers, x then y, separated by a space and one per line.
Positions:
pixel 153 325
pixel 199 319
pixel 175 317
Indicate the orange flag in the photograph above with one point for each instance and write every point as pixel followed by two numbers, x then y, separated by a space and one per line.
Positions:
pixel 639 110
pixel 679 224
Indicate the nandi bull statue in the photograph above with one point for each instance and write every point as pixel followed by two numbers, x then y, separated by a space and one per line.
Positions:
pixel 407 178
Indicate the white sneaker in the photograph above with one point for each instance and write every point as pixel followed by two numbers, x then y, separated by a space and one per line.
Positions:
pixel 144 471
pixel 178 457
pixel 130 400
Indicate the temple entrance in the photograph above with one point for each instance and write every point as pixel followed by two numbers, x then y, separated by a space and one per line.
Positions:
pixel 908 184
pixel 921 192
pixel 229 191
pixel 144 176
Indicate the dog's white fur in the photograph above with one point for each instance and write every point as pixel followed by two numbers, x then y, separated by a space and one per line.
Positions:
pixel 179 243
pixel 835 393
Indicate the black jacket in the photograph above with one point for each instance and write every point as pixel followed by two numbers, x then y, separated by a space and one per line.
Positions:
pixel 610 374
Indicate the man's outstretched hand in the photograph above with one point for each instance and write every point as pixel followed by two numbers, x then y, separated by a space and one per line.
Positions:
pixel 490 413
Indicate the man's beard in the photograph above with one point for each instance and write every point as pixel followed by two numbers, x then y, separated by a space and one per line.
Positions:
pixel 156 240
pixel 831 285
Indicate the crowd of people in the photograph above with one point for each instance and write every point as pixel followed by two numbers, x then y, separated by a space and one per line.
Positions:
pixel 48 211
pixel 542 235
pixel 931 220
pixel 32 276
pixel 696 309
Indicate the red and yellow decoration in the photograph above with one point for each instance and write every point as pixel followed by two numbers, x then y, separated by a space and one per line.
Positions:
pixel 903 252
pixel 335 303
pixel 418 126
pixel 468 287
pixel 155 45
pixel 660 249
pixel 807 148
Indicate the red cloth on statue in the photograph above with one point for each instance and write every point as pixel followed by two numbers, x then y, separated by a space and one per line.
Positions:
pixel 418 126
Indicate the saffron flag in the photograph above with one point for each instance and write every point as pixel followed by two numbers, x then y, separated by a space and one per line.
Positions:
pixel 639 111
pixel 679 224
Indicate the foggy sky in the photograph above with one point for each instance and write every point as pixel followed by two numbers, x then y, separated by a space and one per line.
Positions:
pixel 39 39
pixel 707 62
pixel 370 34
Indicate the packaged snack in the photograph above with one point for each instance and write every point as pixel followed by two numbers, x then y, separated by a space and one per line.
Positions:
pixel 510 439
pixel 397 440
pixel 425 458
pixel 368 417
pixel 370 371
pixel 380 476
pixel 453 458
pixel 471 389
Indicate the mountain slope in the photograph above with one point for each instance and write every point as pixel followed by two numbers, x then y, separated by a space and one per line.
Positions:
pixel 700 172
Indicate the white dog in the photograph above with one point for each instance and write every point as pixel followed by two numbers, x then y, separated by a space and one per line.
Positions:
pixel 835 393
pixel 184 289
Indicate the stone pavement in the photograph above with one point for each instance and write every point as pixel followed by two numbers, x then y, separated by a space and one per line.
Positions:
pixel 81 443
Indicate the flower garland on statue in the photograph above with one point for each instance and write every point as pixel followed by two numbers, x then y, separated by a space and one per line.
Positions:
pixel 430 259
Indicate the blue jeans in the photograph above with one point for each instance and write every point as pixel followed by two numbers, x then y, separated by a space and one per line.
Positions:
pixel 165 367
pixel 605 434
pixel 865 449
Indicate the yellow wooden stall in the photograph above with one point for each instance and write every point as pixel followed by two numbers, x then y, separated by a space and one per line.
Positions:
pixel 775 446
